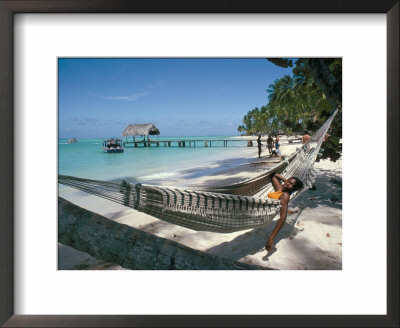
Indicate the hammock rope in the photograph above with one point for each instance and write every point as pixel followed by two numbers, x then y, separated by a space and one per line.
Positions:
pixel 225 208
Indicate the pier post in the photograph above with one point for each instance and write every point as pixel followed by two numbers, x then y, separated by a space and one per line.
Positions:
pixel 205 143
pixel 157 144
pixel 165 144
pixel 169 143
pixel 184 143
pixel 135 144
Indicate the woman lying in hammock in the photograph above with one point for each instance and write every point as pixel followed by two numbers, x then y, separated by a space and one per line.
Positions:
pixel 282 192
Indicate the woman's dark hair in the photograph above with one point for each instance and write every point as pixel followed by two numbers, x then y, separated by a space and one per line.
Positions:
pixel 299 184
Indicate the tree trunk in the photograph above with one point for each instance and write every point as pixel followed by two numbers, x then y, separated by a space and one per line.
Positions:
pixel 117 243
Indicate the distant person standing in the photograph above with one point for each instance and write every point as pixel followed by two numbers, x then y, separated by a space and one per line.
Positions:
pixel 259 144
pixel 277 145
pixel 270 144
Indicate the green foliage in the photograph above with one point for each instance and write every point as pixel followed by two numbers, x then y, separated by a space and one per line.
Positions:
pixel 255 121
pixel 282 62
pixel 301 102
pixel 331 149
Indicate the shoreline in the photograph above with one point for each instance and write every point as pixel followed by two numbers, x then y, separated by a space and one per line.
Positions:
pixel 311 240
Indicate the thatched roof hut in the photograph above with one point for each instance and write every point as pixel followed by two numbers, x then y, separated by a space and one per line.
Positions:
pixel 140 130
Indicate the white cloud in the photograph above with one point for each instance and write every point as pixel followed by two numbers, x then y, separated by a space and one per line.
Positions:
pixel 133 97
pixel 156 84
pixel 86 121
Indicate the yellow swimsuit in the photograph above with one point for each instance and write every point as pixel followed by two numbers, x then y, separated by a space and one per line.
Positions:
pixel 275 194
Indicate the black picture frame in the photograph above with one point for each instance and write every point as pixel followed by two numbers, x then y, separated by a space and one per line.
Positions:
pixel 10 7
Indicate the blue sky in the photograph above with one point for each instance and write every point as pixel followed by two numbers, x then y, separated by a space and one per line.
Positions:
pixel 181 96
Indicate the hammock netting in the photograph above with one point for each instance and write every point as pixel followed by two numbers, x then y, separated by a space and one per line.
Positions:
pixel 227 208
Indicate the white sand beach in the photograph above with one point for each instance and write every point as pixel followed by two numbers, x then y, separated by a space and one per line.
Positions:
pixel 311 239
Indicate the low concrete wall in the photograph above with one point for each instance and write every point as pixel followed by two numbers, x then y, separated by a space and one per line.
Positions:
pixel 117 243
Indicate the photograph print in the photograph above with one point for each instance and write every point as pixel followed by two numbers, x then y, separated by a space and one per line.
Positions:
pixel 199 163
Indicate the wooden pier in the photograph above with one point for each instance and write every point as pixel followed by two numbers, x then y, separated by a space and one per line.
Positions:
pixel 197 143
pixel 146 130
pixel 184 143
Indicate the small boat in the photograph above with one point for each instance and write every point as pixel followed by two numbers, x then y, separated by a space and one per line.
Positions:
pixel 113 145
pixel 72 140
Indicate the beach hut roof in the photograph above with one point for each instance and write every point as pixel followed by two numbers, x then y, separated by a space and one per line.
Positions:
pixel 140 130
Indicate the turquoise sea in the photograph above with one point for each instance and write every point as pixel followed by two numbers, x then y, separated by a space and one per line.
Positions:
pixel 148 164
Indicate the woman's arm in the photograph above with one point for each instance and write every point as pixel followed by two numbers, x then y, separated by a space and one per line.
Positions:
pixel 283 213
pixel 275 182
pixel 279 177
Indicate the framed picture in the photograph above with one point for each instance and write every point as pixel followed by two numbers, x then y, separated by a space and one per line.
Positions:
pixel 181 138
pixel 13 171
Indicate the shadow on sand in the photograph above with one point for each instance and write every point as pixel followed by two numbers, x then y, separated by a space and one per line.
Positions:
pixel 328 193
pixel 254 240
pixel 224 168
